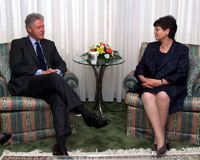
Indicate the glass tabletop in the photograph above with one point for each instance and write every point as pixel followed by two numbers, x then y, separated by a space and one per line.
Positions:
pixel 100 62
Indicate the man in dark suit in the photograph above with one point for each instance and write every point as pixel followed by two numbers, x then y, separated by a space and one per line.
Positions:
pixel 37 70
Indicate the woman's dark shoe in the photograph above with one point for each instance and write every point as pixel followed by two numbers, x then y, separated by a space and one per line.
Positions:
pixel 4 138
pixel 168 146
pixel 163 149
pixel 96 121
pixel 154 147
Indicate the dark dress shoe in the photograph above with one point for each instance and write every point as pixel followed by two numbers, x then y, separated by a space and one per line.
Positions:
pixel 96 121
pixel 163 149
pixel 59 151
pixel 154 147
pixel 4 138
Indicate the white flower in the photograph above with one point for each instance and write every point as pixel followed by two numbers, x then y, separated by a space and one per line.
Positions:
pixel 107 56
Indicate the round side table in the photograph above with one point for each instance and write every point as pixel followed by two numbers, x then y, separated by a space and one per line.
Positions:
pixel 99 70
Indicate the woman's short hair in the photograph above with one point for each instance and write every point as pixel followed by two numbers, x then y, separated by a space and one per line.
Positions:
pixel 31 18
pixel 165 23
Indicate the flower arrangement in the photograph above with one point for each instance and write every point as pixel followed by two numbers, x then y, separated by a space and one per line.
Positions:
pixel 104 52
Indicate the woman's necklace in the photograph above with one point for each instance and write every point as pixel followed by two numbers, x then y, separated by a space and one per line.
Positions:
pixel 166 47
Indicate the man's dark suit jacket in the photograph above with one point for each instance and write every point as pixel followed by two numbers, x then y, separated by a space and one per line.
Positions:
pixel 24 62
pixel 174 69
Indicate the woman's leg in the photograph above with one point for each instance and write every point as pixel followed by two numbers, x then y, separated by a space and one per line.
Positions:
pixel 150 104
pixel 163 102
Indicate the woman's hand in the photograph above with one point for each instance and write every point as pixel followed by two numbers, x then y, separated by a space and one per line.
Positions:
pixel 151 83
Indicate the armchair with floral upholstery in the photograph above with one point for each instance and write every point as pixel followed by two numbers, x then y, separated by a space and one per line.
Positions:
pixel 27 119
pixel 181 126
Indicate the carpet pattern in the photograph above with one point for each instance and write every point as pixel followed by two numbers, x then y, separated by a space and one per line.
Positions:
pixel 179 157
pixel 135 154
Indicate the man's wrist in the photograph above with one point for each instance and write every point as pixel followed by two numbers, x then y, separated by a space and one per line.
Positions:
pixel 38 72
pixel 59 72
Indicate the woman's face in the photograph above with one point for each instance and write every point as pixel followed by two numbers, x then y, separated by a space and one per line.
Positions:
pixel 160 34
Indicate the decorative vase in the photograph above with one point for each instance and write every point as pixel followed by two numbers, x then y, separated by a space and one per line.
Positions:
pixel 94 57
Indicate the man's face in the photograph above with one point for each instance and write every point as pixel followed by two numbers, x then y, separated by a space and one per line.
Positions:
pixel 37 30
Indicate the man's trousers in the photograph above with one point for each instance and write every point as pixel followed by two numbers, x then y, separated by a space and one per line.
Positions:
pixel 56 92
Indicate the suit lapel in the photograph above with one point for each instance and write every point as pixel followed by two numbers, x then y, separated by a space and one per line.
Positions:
pixel 154 52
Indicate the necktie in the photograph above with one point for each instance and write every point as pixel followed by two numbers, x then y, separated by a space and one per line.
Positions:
pixel 40 57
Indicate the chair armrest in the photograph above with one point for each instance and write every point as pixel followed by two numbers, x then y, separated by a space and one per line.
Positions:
pixel 196 89
pixel 3 88
pixel 129 81
pixel 71 79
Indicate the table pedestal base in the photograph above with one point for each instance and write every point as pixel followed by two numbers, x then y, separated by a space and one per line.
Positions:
pixel 99 102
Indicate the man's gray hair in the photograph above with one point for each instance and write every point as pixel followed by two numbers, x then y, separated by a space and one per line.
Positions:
pixel 31 18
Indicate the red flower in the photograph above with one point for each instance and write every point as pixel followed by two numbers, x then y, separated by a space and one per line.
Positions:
pixel 102 44
pixel 109 50
pixel 92 50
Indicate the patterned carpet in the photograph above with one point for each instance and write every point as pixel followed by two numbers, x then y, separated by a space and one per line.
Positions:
pixel 191 157
pixel 135 154
pixel 180 157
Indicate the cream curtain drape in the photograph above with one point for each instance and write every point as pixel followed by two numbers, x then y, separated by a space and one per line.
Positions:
pixel 74 25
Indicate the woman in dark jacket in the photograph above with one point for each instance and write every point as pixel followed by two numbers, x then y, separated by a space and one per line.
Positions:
pixel 162 73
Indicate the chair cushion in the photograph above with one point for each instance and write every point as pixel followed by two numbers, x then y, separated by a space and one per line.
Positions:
pixel 5 67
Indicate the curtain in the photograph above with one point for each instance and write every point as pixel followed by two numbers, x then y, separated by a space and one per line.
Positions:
pixel 75 25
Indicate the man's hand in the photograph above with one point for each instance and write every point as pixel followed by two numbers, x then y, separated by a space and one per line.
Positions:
pixel 50 70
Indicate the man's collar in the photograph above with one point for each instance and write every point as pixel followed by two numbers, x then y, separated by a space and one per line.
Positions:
pixel 33 40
